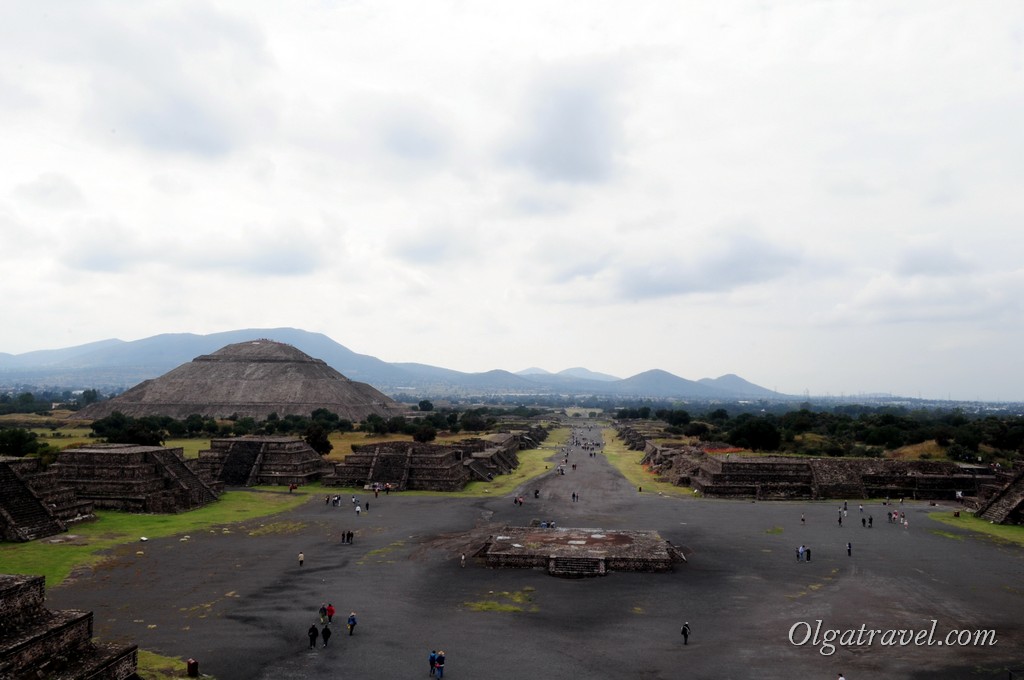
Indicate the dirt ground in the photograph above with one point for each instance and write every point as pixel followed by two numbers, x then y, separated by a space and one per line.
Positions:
pixel 237 600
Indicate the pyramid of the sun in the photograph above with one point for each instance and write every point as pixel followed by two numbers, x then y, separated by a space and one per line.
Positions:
pixel 254 378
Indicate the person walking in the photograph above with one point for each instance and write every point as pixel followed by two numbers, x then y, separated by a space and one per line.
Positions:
pixel 351 623
pixel 330 612
pixel 358 510
pixel 326 634
pixel 849 549
pixel 462 560
pixel 685 632
pixel 302 558
pixel 313 634
pixel 432 659
pixel 439 663
pixel 323 613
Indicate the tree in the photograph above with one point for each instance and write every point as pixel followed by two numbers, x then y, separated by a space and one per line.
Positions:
pixel 316 437
pixel 18 442
pixel 424 433
pixel 426 405
pixel 757 434
pixel 90 397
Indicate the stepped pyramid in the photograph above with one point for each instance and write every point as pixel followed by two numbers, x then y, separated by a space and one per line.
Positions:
pixel 254 379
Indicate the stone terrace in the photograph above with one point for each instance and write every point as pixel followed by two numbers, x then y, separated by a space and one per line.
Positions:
pixel 133 478
pixel 38 643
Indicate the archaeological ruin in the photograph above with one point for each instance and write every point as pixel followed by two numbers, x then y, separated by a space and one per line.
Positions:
pixel 249 379
pixel 405 465
pixel 793 477
pixel 261 460
pixel 36 642
pixel 574 552
pixel 133 478
pixel 35 503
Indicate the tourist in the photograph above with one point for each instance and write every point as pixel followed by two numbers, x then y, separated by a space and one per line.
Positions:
pixel 350 534
pixel 863 522
pixel 323 612
pixel 313 634
pixel 685 632
pixel 358 510
pixel 803 520
pixel 432 659
pixel 302 558
pixel 351 623
pixel 849 549
pixel 330 612
pixel 366 506
pixel 462 560
pixel 326 634
pixel 840 521
pixel 870 521
pixel 439 663
pixel 807 553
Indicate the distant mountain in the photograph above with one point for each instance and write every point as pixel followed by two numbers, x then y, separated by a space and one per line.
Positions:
pixel 118 365
pixel 658 383
pixel 736 385
pixel 533 370
pixel 579 372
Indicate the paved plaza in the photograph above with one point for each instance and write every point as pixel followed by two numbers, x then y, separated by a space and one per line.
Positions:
pixel 238 601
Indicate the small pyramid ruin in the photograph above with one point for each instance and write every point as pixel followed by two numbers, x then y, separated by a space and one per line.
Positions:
pixel 249 379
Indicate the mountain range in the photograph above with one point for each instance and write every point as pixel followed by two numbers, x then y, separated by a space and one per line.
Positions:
pixel 117 364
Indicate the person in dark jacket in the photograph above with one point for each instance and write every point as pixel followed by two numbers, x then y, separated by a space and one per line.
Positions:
pixel 685 631
pixel 326 634
pixel 351 623
pixel 433 661
pixel 439 663
pixel 313 634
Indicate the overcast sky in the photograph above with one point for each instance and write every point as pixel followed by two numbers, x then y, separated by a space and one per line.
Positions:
pixel 821 197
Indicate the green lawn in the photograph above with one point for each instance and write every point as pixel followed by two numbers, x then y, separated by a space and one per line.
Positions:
pixel 628 463
pixel 1001 532
pixel 56 560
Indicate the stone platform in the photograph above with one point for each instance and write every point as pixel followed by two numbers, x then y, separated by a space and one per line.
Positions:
pixel 579 552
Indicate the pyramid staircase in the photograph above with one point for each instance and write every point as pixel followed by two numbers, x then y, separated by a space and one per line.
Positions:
pixel 23 514
pixel 199 492
pixel 1006 505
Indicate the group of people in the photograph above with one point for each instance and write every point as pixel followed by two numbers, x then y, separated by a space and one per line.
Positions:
pixel 436 659
pixel 326 613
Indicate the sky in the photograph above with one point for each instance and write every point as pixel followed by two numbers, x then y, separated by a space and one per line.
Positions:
pixel 825 198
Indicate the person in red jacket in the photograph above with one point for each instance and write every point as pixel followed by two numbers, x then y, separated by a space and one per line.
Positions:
pixel 330 613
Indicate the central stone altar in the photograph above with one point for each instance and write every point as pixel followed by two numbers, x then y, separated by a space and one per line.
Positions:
pixel 578 552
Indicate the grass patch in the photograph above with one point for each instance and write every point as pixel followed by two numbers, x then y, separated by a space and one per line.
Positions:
pixel 999 532
pixel 57 560
pixel 381 553
pixel 190 447
pixel 947 534
pixel 505 601
pixel 774 530
pixel 155 667
pixel 628 463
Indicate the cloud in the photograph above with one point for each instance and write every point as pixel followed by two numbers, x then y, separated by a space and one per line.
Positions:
pixel 51 190
pixel 571 128
pixel 932 261
pixel 110 246
pixel 736 257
